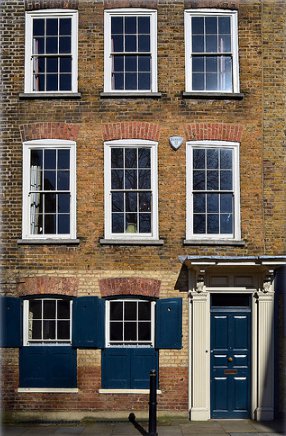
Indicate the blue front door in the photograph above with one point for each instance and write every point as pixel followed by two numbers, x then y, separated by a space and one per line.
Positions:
pixel 230 362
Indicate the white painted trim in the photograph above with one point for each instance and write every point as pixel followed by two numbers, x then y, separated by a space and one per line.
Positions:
pixel 127 391
pixel 154 188
pixel 188 14
pixel 54 144
pixel 43 13
pixel 48 390
pixel 190 145
pixel 108 13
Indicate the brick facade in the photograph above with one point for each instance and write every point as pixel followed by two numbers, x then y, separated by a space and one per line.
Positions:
pixel 91 268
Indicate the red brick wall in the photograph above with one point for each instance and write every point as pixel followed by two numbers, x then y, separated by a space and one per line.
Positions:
pixel 129 286
pixel 48 285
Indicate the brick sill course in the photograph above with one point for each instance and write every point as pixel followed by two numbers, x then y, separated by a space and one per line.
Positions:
pixel 131 242
pixel 213 95
pixel 48 241
pixel 130 94
pixel 31 95
pixel 240 243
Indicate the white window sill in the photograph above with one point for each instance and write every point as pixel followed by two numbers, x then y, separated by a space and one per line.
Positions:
pixel 49 390
pixel 48 241
pixel 214 95
pixel 131 241
pixel 127 391
pixel 232 242
pixel 130 94
pixel 30 95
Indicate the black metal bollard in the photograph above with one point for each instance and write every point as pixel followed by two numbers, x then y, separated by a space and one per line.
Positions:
pixel 153 404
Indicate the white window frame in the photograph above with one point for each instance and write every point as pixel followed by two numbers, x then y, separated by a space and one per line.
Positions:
pixel 189 13
pixel 144 344
pixel 108 14
pixel 48 144
pixel 50 13
pixel 46 342
pixel 129 143
pixel 236 236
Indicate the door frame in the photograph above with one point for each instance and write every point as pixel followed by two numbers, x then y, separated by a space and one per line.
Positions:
pixel 236 310
pixel 262 352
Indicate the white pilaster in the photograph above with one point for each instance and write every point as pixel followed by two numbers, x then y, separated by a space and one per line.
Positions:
pixel 265 360
pixel 200 371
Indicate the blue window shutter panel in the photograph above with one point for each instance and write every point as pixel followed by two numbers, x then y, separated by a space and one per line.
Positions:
pixel 143 360
pixel 169 323
pixel 48 367
pixel 116 368
pixel 11 322
pixel 88 322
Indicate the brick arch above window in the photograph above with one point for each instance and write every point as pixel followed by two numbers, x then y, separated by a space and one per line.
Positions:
pixel 213 131
pixel 129 286
pixel 33 131
pixel 131 130
pixel 50 4
pixel 41 285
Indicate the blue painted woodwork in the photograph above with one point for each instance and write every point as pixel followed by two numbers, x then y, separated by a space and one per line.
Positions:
pixel 230 338
pixel 128 368
pixel 48 367
pixel 168 331
pixel 11 322
pixel 88 322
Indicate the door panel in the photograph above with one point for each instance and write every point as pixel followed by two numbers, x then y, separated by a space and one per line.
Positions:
pixel 230 363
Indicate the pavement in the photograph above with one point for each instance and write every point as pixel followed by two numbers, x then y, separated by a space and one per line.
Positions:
pixel 165 427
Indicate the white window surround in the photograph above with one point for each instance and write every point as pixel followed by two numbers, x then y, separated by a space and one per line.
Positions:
pixel 26 218
pixel 50 13
pixel 131 345
pixel 236 235
pixel 188 14
pixel 129 143
pixel 26 324
pixel 108 14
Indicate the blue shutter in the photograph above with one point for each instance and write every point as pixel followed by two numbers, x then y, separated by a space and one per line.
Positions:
pixel 48 367
pixel 169 323
pixel 143 360
pixel 11 322
pixel 88 322
pixel 116 368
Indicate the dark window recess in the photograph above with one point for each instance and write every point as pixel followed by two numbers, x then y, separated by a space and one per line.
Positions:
pixel 228 300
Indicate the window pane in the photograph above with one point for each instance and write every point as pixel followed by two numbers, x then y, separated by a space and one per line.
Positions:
pixel 213 203
pixel 36 330
pixel 197 25
pixel 226 223
pixel 224 42
pixel 130 331
pixel 144 310
pixel 131 202
pixel 130 310
pixel 35 309
pixel 50 224
pixel 37 157
pixel 118 63
pixel 117 158
pixel 213 223
pixel 212 158
pixel 130 25
pixel 199 158
pixel 49 329
pixel 143 25
pixel 130 43
pixel 130 179
pixel 117 42
pixel 144 331
pixel 226 202
pixel 131 223
pixel 224 25
pixel 65 26
pixel 51 45
pixel 211 43
pixel 145 201
pixel 131 81
pixel 117 179
pixel 145 223
pixel 199 179
pixel 50 180
pixel 199 203
pixel 131 157
pixel 116 310
pixel 49 309
pixel 116 331
pixel 131 63
pixel 199 223
pixel 117 202
pixel 198 64
pixel 52 82
pixel 225 159
pixel 63 329
pixel 211 25
pixel 39 83
pixel 144 63
pixel 65 82
pixel 38 45
pixel 116 25
pixel 117 223
pixel 64 224
pixel 66 65
pixel 52 65
pixel 63 309
pixel 38 26
pixel 50 159
pixel 226 179
pixel 63 180
pixel 65 44
pixel 212 82
pixel 50 203
pixel 144 179
pixel 212 180
pixel 211 64
pixel 198 44
pixel 144 43
pixel 52 26
pixel 144 81
pixel 63 159
pixel 144 158
pixel 198 81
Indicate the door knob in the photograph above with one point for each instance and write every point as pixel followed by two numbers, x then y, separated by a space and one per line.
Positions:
pixel 230 359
